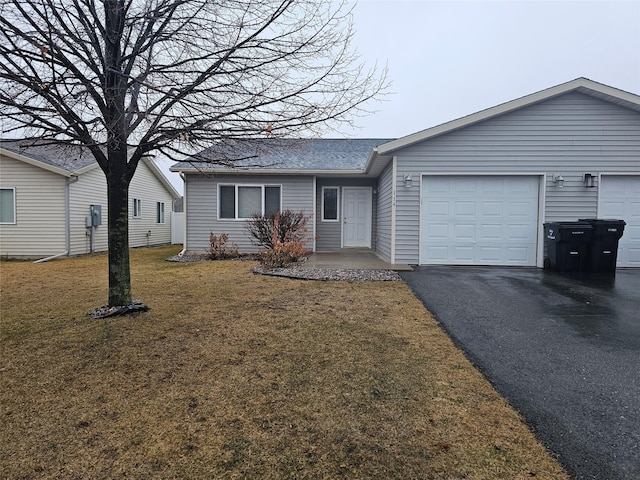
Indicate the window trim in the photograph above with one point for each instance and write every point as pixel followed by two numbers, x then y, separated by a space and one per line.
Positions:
pixel 160 213
pixel 262 187
pixel 330 220
pixel 15 215
pixel 137 211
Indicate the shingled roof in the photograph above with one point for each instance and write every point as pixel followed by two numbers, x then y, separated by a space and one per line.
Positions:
pixel 70 158
pixel 322 154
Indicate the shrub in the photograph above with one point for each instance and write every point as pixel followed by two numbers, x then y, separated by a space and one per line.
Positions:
pixel 218 249
pixel 291 225
pixel 283 234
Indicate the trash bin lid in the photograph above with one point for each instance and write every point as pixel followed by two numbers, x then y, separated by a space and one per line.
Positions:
pixel 568 231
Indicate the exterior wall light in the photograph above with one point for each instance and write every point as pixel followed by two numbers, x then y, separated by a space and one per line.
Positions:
pixel 408 181
pixel 589 180
pixel 558 180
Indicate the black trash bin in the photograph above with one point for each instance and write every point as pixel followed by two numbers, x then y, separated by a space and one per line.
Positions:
pixel 567 246
pixel 603 249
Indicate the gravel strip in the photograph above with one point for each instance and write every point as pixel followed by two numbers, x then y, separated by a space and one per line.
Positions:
pixel 299 271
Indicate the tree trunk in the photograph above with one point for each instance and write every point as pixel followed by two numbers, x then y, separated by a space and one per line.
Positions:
pixel 118 195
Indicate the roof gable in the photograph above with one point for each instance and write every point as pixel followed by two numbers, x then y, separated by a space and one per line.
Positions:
pixel 67 160
pixel 581 85
pixel 62 159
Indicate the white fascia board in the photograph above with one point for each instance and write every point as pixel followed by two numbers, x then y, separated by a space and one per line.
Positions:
pixel 583 84
pixel 149 162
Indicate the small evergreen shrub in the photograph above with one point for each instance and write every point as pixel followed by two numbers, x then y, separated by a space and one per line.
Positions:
pixel 218 248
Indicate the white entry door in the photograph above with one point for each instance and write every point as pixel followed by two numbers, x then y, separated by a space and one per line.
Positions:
pixel 620 200
pixel 356 222
pixel 479 220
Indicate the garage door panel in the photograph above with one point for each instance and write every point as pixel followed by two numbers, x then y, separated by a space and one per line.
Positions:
pixel 438 208
pixel 620 199
pixel 489 232
pixel 464 232
pixel 492 209
pixel 492 220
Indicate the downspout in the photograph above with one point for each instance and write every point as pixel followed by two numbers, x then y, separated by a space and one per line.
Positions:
pixel 67 220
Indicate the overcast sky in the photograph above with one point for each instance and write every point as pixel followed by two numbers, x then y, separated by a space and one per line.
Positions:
pixel 448 59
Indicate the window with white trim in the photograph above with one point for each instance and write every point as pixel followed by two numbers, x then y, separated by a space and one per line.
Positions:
pixel 137 208
pixel 159 212
pixel 8 205
pixel 240 202
pixel 329 204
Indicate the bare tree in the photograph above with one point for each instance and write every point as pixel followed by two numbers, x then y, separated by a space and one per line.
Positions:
pixel 125 78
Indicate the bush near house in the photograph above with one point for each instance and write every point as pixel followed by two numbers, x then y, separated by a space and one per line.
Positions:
pixel 218 248
pixel 283 234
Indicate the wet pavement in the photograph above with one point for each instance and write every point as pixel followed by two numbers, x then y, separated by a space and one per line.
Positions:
pixel 563 349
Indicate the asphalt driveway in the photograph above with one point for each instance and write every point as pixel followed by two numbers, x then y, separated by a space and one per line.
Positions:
pixel 565 351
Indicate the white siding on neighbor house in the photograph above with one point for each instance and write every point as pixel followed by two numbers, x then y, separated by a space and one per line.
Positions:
pixel 201 196
pixel 384 221
pixel 330 233
pixel 90 189
pixel 568 135
pixel 39 230
pixel 146 187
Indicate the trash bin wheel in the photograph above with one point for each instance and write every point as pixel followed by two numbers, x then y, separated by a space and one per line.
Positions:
pixel 547 263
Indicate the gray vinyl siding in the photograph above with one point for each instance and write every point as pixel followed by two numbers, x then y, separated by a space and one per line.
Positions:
pixel 567 135
pixel 39 230
pixel 329 234
pixel 384 217
pixel 201 198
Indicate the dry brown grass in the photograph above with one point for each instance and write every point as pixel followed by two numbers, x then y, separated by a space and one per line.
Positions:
pixel 233 375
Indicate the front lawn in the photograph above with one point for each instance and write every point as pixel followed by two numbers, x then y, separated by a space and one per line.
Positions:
pixel 235 375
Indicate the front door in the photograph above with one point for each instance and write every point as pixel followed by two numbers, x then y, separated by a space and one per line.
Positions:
pixel 356 222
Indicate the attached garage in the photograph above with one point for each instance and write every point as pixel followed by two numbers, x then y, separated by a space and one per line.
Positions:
pixel 479 219
pixel 620 199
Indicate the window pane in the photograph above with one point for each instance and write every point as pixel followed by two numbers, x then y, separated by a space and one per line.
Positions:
pixel 249 201
pixel 7 206
pixel 227 201
pixel 137 207
pixel 159 212
pixel 271 200
pixel 330 204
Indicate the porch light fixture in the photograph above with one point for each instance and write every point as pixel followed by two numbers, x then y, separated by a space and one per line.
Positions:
pixel 558 180
pixel 589 180
pixel 408 181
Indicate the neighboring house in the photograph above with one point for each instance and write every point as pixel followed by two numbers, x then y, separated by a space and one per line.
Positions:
pixel 46 196
pixel 474 191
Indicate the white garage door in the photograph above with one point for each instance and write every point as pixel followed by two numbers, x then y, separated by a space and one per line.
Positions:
pixel 479 220
pixel 620 199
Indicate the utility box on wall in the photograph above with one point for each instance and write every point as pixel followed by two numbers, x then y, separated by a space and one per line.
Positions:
pixel 95 215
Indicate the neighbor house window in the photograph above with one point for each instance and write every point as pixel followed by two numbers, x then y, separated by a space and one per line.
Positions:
pixel 8 205
pixel 329 204
pixel 137 208
pixel 159 212
pixel 243 201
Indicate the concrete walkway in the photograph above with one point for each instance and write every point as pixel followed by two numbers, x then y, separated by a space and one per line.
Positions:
pixel 352 259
